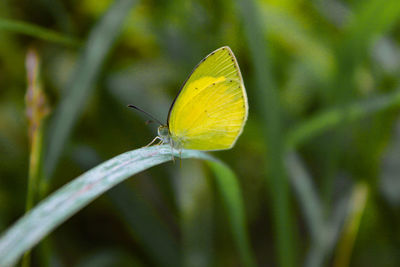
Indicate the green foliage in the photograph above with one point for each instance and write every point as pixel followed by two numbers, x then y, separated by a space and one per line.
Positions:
pixel 311 181
pixel 231 195
pixel 36 31
pixel 269 108
pixel 72 197
pixel 98 45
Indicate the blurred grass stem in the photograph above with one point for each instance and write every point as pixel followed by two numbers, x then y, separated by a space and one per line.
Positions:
pixel 36 111
pixel 329 119
pixel 268 104
pixel 33 179
pixel 352 224
pixel 37 32
pixel 82 83
pixel 229 188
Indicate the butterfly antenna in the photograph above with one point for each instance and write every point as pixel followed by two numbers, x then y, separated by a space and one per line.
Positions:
pixel 148 114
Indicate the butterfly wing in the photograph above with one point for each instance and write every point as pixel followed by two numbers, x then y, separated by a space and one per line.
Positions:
pixel 211 109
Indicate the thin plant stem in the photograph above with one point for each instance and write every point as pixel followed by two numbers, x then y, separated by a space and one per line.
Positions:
pixel 36 110
pixel 352 224
pixel 33 180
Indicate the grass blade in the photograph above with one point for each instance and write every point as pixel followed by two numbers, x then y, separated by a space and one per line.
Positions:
pixel 36 31
pixel 72 197
pixel 36 109
pixel 307 196
pixel 352 224
pixel 99 43
pixel 329 119
pixel 269 108
pixel 230 194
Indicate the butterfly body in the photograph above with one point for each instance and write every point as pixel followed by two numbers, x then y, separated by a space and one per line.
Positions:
pixel 164 135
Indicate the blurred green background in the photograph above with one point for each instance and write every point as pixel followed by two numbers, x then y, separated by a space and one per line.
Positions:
pixel 318 162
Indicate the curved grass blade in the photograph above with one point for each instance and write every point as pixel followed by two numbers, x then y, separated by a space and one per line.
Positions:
pixel 36 31
pixel 230 192
pixel 307 196
pixel 327 120
pixel 72 197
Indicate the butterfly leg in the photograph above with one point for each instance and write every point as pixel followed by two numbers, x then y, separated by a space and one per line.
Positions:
pixel 156 138
pixel 172 153
pixel 159 143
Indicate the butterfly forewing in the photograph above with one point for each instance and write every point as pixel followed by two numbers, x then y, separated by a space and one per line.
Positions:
pixel 210 111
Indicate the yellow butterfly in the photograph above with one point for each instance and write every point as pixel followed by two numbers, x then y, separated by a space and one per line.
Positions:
pixel 211 108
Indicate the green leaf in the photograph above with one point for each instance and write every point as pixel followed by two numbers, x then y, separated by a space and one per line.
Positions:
pixel 329 119
pixel 269 108
pixel 356 42
pixel 306 195
pixel 230 191
pixel 72 197
pixel 99 43
pixel 36 31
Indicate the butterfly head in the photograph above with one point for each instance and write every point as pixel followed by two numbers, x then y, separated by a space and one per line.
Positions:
pixel 163 133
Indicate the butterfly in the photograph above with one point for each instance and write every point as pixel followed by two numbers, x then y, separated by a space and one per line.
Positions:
pixel 211 108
